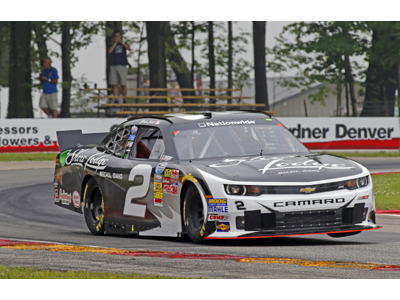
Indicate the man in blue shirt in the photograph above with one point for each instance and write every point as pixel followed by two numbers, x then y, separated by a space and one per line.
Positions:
pixel 49 78
pixel 118 71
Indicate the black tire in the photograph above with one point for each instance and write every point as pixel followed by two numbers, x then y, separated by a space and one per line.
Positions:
pixel 343 234
pixel 194 220
pixel 93 207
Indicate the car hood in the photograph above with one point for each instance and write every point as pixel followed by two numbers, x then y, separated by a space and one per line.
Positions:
pixel 295 168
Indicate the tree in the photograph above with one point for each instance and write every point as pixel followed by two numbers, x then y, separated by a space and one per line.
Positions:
pixel 19 71
pixel 260 72
pixel 74 36
pixel 322 52
pixel 382 79
pixel 177 63
pixel 156 41
pixel 230 60
pixel 211 59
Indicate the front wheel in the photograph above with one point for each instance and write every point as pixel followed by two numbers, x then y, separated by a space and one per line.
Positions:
pixel 193 216
pixel 93 207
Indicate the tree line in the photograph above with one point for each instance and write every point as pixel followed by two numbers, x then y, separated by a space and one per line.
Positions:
pixel 24 46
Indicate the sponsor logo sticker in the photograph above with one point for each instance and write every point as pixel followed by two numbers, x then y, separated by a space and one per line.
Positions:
pixel 175 174
pixel 189 176
pixel 225 123
pixel 158 202
pixel 157 177
pixel 56 196
pixel 64 197
pixel 158 187
pixel 76 199
pixel 217 205
pixel 166 158
pixel 219 217
pixel 167 188
pixel 223 227
pixel 166 180
pixel 161 167
pixel 167 173
pixel 158 195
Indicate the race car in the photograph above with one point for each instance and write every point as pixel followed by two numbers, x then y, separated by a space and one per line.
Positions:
pixel 211 175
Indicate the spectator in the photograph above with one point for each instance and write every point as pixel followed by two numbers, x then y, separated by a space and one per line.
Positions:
pixel 49 78
pixel 119 61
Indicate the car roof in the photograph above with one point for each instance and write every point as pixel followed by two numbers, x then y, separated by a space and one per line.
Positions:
pixel 194 117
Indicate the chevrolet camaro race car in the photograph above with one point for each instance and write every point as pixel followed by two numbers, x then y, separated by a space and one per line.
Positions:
pixel 218 175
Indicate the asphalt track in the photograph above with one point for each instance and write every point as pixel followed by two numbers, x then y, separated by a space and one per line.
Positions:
pixel 27 212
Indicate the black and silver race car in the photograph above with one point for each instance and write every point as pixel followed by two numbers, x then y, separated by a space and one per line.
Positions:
pixel 212 175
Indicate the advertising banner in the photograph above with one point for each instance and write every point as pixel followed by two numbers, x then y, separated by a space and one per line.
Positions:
pixel 346 133
pixel 39 135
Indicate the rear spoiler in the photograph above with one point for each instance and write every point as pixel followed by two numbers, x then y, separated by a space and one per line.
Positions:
pixel 74 138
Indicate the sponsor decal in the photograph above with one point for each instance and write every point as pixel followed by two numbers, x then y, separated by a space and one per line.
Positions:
pixel 158 202
pixel 148 121
pixel 110 175
pixel 217 205
pixel 174 189
pixel 308 164
pixel 166 180
pixel 64 197
pixel 158 187
pixel 208 196
pixel 166 158
pixel 161 167
pixel 189 176
pixel 167 189
pixel 96 161
pixel 56 196
pixel 309 202
pixel 175 174
pixel 174 182
pixel 219 217
pixel 167 173
pixel 158 122
pixel 134 129
pixel 130 143
pixel 225 123
pixel 132 137
pixel 76 199
pixel 176 132
pixel 363 197
pixel 157 177
pixel 223 227
pixel 158 195
pixel 307 190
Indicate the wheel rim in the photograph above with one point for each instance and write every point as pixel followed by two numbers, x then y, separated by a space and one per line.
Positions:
pixel 96 207
pixel 196 215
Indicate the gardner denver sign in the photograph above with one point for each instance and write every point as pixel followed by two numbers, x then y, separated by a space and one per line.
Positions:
pixel 346 133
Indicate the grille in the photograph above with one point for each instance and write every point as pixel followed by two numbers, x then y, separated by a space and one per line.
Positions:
pixel 287 190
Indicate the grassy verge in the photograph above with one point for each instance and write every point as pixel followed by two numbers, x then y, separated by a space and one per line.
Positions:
pixel 37 156
pixel 387 191
pixel 364 154
pixel 34 273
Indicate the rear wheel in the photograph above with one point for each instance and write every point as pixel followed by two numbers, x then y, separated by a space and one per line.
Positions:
pixel 93 207
pixel 193 216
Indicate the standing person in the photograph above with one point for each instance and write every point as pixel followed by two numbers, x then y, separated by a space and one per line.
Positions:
pixel 118 71
pixel 49 78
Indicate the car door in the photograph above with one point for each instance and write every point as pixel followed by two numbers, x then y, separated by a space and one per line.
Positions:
pixel 136 153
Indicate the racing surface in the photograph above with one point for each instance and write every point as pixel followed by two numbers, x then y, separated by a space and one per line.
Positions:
pixel 27 212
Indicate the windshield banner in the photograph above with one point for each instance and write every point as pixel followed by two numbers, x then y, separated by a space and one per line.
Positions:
pixel 345 133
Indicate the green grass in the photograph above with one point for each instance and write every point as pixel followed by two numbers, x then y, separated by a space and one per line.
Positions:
pixel 387 191
pixel 364 154
pixel 37 156
pixel 34 273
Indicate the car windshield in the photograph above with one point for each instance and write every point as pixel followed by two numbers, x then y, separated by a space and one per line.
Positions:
pixel 228 141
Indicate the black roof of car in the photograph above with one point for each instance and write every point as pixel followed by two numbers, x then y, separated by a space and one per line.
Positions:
pixel 182 118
